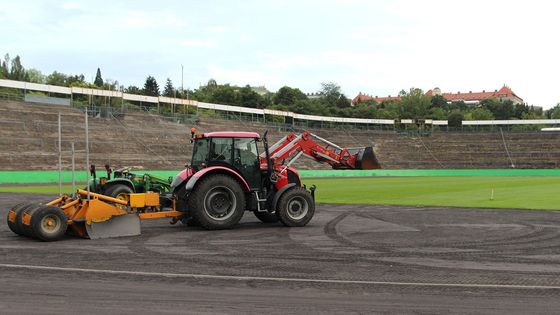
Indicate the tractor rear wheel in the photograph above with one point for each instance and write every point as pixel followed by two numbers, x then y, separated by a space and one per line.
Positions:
pixel 49 223
pixel 15 213
pixel 217 202
pixel 266 217
pixel 181 204
pixel 295 207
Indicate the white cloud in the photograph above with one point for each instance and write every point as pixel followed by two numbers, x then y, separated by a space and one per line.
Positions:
pixel 198 43
pixel 217 29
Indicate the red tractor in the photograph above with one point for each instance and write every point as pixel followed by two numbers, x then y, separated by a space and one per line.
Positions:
pixel 227 176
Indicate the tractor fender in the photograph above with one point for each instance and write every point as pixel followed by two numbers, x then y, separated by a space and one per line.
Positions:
pixel 181 178
pixel 122 181
pixel 216 169
pixel 278 194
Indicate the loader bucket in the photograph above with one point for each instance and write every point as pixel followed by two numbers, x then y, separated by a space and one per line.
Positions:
pixel 366 159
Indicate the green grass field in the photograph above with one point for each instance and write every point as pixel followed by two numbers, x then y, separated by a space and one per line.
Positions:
pixel 509 192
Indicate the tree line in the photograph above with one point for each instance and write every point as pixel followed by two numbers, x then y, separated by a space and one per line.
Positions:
pixel 328 101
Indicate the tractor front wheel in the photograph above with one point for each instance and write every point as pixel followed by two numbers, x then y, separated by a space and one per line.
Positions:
pixel 217 202
pixel 295 207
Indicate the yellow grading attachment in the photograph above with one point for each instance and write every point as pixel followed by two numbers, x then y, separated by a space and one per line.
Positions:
pixel 99 216
pixel 103 219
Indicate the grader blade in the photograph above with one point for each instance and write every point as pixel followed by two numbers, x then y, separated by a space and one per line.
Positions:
pixel 103 219
pixel 116 226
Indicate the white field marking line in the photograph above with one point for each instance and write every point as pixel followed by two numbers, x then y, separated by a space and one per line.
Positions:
pixel 302 280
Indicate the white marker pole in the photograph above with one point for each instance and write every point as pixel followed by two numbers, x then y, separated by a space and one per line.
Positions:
pixel 87 155
pixel 59 156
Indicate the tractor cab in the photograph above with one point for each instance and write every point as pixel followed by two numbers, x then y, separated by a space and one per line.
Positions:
pixel 234 150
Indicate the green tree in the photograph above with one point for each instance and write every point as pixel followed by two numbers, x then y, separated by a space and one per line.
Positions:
pixel 224 94
pixel 249 98
pixel 415 104
pixel 204 93
pixel 5 69
pixel 457 105
pixel 501 110
pixel 288 96
pixel 386 113
pixel 332 95
pixel 168 90
pixel 438 113
pixel 519 110
pixel 455 118
pixel 76 80
pixel 36 76
pixel 57 78
pixel 439 101
pixel 369 103
pixel 17 71
pixel 554 113
pixel 481 113
pixel 364 110
pixel 212 84
pixel 98 79
pixel 110 84
pixel 132 89
pixel 536 111
pixel 151 87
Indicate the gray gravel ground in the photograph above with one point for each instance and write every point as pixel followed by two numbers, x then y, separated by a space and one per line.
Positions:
pixel 349 259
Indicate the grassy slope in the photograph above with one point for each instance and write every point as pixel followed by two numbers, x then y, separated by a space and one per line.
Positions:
pixel 509 192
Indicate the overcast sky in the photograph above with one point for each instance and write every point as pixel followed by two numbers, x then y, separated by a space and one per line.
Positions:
pixel 375 47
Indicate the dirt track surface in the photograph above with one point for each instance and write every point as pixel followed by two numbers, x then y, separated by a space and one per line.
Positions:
pixel 349 259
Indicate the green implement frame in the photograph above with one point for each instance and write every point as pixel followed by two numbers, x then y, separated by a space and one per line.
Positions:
pixel 137 182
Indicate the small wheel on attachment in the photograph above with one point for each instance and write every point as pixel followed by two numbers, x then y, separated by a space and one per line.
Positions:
pixel 13 217
pixel 47 223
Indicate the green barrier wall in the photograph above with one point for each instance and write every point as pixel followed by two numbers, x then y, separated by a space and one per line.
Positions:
pixel 439 172
pixel 23 177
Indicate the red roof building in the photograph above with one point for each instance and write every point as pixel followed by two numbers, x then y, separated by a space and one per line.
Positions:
pixel 471 98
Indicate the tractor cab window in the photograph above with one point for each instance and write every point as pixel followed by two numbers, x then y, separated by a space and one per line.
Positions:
pixel 221 150
pixel 200 151
pixel 246 160
pixel 245 152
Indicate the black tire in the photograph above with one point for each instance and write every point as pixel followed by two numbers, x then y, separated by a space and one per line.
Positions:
pixel 181 204
pixel 119 191
pixel 14 227
pixel 217 202
pixel 27 230
pixel 190 221
pixel 266 217
pixel 48 223
pixel 19 217
pixel 295 207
